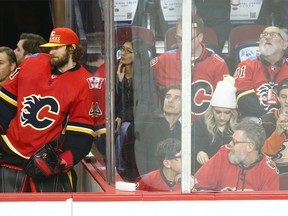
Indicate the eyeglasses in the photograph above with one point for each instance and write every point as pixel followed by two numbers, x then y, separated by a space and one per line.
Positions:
pixel 179 38
pixel 126 50
pixel 174 98
pixel 234 142
pixel 271 34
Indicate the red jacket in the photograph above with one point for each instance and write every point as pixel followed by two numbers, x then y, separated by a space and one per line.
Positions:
pixel 221 175
pixel 207 71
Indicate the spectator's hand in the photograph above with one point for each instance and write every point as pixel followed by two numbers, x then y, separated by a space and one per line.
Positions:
pixel 120 71
pixel 193 181
pixel 117 124
pixel 282 123
pixel 202 157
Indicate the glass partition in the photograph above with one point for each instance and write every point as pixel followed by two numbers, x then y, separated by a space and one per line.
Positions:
pixel 175 82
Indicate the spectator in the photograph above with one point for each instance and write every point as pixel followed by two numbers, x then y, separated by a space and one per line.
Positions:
pixel 257 77
pixel 29 44
pixel 7 63
pixel 46 123
pixel 93 61
pixel 275 125
pixel 214 130
pixel 167 178
pixel 207 68
pixel 240 165
pixel 136 97
pixel 153 130
pixel 100 130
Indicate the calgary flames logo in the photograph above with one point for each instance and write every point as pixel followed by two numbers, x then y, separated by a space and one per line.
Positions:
pixel 39 112
pixel 262 93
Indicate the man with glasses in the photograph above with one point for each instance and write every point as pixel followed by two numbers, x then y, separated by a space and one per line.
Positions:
pixel 207 67
pixel 240 165
pixel 257 77
pixel 167 176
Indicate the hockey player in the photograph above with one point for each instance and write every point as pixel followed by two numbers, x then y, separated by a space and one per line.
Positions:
pixel 257 77
pixel 47 111
pixel 207 68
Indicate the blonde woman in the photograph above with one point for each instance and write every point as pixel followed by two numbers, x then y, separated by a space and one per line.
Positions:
pixel 213 130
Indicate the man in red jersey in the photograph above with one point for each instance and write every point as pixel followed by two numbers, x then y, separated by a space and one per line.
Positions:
pixel 207 68
pixel 47 115
pixel 257 77
pixel 100 127
pixel 240 165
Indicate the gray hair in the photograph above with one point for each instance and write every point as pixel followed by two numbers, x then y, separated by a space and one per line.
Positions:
pixel 253 131
pixel 284 33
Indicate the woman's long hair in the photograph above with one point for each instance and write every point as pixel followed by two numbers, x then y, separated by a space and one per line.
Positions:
pixel 211 123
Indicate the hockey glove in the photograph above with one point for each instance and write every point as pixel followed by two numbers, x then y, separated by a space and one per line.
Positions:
pixel 44 163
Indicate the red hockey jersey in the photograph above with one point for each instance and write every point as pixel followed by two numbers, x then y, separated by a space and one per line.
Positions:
pixel 154 181
pixel 207 71
pixel 256 82
pixel 221 175
pixel 47 105
pixel 100 77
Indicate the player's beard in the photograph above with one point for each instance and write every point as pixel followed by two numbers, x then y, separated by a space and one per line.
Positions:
pixel 60 62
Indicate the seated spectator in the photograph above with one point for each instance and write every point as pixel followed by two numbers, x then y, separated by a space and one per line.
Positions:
pixel 153 130
pixel 136 96
pixel 167 178
pixel 214 130
pixel 207 68
pixel 275 124
pixel 240 165
pixel 257 77
pixel 7 63
pixel 29 44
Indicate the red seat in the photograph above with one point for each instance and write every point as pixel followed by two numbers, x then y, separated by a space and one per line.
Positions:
pixel 243 33
pixel 243 43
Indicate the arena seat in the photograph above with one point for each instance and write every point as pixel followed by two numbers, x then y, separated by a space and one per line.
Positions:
pixel 243 43
pixel 244 33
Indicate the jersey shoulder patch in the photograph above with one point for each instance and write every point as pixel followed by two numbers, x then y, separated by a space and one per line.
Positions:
pixel 216 56
pixel 154 61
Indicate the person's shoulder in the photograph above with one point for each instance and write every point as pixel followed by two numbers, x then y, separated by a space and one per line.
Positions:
pixel 254 60
pixel 224 150
pixel 151 175
pixel 217 57
pixel 164 57
pixel 269 164
pixel 39 56
pixel 37 60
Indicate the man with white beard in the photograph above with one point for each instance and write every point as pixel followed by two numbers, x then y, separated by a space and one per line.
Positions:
pixel 257 77
pixel 240 165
